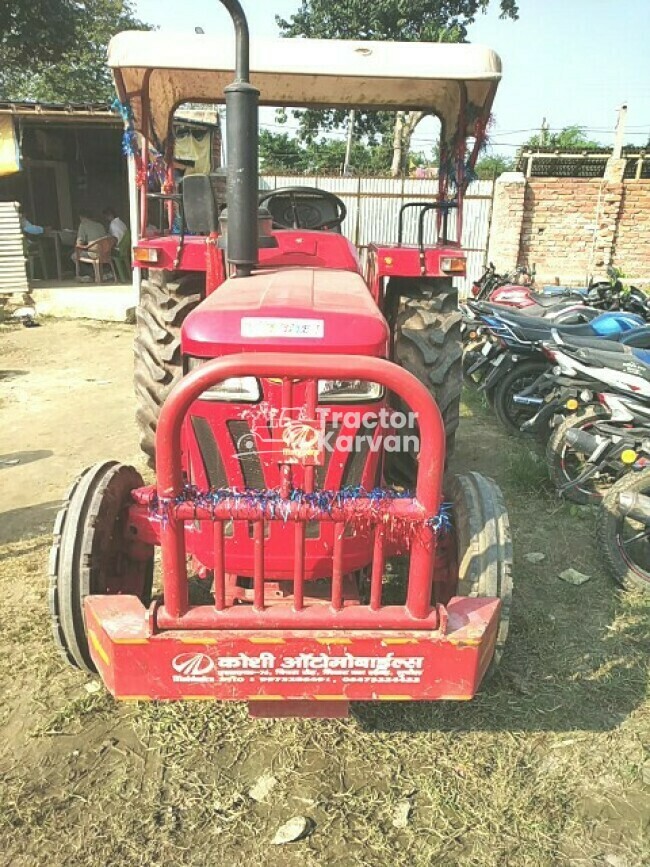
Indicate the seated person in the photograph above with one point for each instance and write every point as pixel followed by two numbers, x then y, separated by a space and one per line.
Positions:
pixel 116 227
pixel 89 230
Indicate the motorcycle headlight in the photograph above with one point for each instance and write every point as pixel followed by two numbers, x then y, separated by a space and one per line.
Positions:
pixel 348 391
pixel 237 389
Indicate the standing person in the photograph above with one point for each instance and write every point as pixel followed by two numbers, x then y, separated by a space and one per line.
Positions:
pixel 116 227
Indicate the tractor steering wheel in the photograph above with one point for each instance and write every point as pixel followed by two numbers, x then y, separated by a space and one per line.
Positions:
pixel 298 208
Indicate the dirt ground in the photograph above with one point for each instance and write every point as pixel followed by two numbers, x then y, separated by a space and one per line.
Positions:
pixel 548 766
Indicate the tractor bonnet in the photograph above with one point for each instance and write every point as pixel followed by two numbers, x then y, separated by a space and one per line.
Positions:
pixel 301 309
pixel 163 71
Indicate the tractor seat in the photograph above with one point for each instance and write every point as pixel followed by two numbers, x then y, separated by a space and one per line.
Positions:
pixel 311 209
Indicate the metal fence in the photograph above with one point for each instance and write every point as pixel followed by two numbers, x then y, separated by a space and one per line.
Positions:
pixel 373 206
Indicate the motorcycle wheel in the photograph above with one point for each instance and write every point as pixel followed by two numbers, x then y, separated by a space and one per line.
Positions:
pixel 623 541
pixel 565 464
pixel 510 414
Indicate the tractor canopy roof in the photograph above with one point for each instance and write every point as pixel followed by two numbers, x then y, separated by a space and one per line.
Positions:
pixel 157 72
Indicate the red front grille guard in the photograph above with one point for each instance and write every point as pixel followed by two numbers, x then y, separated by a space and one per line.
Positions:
pixel 298 657
pixel 176 612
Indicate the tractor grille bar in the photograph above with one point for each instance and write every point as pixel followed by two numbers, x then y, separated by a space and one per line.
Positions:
pixel 410 517
pixel 377 573
pixel 219 567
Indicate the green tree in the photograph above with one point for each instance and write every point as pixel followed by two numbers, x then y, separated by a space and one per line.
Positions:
pixel 279 153
pixel 492 165
pixel 71 67
pixel 569 138
pixel 399 20
pixel 35 31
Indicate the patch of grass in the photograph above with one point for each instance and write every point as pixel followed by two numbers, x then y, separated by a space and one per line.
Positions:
pixel 526 469
pixel 474 402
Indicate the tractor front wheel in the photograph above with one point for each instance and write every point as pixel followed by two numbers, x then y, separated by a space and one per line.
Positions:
pixel 91 555
pixel 164 304
pixel 483 545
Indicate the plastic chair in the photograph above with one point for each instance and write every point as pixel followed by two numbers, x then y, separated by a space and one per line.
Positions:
pixel 97 254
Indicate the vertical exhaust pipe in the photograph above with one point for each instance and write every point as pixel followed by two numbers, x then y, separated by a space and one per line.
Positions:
pixel 242 153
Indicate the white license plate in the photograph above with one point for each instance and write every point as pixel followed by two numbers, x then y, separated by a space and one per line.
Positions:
pixel 275 326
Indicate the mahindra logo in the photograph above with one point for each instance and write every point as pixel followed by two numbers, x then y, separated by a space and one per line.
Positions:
pixel 303 438
pixel 192 664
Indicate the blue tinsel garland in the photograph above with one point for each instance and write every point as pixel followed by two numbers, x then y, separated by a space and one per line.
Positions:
pixel 272 504
pixel 130 146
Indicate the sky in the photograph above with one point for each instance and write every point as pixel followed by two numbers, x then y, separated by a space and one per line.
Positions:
pixel 569 61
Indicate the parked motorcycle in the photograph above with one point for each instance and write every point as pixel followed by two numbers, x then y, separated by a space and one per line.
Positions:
pixel 516 291
pixel 560 391
pixel 489 281
pixel 482 346
pixel 515 359
pixel 593 448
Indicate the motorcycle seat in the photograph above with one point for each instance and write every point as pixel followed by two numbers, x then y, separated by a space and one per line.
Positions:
pixel 623 358
pixel 520 317
pixel 559 300
pixel 637 337
pixel 571 342
pixel 533 330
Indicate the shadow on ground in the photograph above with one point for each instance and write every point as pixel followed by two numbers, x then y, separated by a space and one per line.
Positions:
pixel 17 525
pixel 19 459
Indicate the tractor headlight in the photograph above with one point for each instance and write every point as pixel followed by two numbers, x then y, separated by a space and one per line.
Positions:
pixel 348 391
pixel 237 389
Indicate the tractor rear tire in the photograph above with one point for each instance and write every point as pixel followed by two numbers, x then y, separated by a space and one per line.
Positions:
pixel 428 344
pixel 89 556
pixel 483 545
pixel 164 304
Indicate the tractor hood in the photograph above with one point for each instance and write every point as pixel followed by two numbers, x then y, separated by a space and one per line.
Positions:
pixel 292 309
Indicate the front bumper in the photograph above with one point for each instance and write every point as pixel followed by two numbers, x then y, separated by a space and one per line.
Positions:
pixel 298 665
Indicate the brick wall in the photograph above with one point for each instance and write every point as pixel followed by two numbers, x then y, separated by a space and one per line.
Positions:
pixel 632 242
pixel 560 215
pixel 572 228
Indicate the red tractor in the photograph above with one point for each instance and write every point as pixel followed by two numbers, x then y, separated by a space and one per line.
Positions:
pixel 277 388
